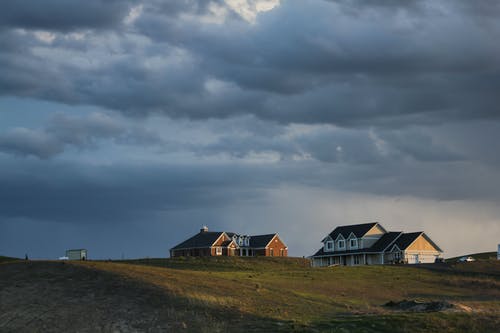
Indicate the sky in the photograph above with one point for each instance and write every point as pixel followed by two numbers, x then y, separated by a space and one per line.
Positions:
pixel 125 126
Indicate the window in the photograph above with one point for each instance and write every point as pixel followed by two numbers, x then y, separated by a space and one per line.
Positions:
pixel 356 260
pixel 271 252
pixel 329 246
pixel 341 244
pixel 353 243
pixel 218 251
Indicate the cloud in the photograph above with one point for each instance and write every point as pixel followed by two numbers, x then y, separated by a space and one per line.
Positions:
pixel 155 209
pixel 176 112
pixel 23 141
pixel 376 63
pixel 80 132
pixel 62 15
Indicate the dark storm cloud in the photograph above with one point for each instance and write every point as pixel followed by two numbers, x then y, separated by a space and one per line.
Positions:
pixel 25 142
pixel 80 132
pixel 420 146
pixel 63 15
pixel 379 63
pixel 67 192
pixel 337 145
pixel 206 110
pixel 113 194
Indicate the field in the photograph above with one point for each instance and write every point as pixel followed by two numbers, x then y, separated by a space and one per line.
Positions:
pixel 244 295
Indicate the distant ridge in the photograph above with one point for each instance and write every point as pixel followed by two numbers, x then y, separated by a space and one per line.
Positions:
pixel 6 259
pixel 480 256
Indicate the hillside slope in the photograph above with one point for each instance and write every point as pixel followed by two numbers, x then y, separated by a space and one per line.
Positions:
pixel 477 256
pixel 243 295
pixel 6 259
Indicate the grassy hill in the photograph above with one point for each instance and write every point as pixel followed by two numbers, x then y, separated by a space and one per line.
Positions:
pixel 7 259
pixel 280 294
pixel 477 256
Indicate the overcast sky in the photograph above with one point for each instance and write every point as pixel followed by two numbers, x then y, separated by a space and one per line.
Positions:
pixel 125 126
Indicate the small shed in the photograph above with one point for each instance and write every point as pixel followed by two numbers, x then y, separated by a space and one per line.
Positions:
pixel 76 254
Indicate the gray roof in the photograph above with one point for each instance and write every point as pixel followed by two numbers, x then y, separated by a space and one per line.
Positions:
pixel 207 238
pixel 405 240
pixel 385 241
pixel 261 240
pixel 200 240
pixel 321 252
pixel 359 230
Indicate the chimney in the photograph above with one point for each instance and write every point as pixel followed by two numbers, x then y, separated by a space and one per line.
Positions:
pixel 204 229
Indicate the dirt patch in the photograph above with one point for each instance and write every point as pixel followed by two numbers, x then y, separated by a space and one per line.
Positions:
pixel 420 306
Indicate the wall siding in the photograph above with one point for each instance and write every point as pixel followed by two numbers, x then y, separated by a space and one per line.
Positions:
pixel 427 257
pixel 376 230
pixel 279 248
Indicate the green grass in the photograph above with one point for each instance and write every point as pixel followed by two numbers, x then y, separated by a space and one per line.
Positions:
pixel 223 263
pixel 335 299
pixel 7 259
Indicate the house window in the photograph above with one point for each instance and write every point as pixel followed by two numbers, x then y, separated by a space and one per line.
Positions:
pixel 271 252
pixel 329 246
pixel 341 244
pixel 354 243
pixel 218 251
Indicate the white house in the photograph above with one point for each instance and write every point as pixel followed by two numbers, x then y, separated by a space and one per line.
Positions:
pixel 371 244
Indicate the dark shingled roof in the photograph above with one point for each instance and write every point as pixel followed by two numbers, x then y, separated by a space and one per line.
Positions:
pixel 359 230
pixel 384 241
pixel 201 239
pixel 206 239
pixel 406 239
pixel 379 246
pixel 260 240
pixel 321 252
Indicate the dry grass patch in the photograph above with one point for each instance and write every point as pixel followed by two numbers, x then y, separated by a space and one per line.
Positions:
pixel 290 290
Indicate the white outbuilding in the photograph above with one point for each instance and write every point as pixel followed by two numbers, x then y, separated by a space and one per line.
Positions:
pixel 76 254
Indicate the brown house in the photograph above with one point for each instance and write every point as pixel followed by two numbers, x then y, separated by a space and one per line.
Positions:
pixel 220 243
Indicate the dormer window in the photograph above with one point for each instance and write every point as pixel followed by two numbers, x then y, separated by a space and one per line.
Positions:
pixel 353 243
pixel 329 246
pixel 341 244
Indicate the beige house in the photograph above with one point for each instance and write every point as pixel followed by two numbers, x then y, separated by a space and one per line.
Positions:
pixel 371 244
